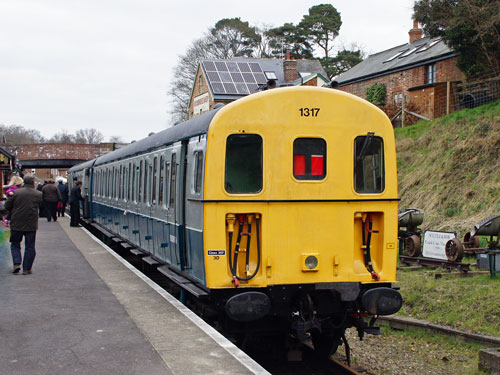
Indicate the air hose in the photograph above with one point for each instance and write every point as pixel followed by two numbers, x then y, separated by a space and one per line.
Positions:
pixel 367 238
pixel 233 256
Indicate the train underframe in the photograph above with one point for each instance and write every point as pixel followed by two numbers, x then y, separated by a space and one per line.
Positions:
pixel 320 313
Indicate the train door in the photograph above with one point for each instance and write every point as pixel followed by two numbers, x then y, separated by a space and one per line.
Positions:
pixel 176 205
pixel 193 192
pixel 86 193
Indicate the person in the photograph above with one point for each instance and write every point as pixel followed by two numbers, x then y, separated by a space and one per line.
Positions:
pixel 39 187
pixel 15 183
pixel 23 207
pixel 63 189
pixel 75 196
pixel 51 196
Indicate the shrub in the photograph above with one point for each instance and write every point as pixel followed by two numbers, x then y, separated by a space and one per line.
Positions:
pixel 376 94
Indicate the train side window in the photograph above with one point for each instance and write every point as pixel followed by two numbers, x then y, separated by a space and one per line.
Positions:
pixel 173 179
pixel 160 189
pixel 155 169
pixel 139 197
pixel 198 171
pixel 309 159
pixel 134 182
pixel 369 170
pixel 167 179
pixel 129 183
pixel 243 164
pixel 145 190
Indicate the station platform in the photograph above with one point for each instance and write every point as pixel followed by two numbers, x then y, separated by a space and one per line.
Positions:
pixel 83 310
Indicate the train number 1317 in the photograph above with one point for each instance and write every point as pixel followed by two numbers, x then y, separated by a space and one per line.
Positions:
pixel 309 112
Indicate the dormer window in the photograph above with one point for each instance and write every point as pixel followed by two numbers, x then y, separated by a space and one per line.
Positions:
pixel 396 55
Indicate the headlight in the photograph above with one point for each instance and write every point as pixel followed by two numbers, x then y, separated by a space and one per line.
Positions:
pixel 310 262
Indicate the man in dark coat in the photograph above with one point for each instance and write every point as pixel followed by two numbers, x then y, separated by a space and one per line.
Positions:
pixel 23 207
pixel 51 196
pixel 63 189
pixel 75 196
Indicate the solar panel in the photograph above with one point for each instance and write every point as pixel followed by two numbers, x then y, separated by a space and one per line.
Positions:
pixel 244 67
pixel 260 78
pixel 230 88
pixel 213 76
pixel 225 77
pixel 209 66
pixel 255 67
pixel 218 88
pixel 221 66
pixel 234 78
pixel 242 88
pixel 232 66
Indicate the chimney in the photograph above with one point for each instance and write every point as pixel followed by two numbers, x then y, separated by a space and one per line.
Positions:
pixel 415 33
pixel 289 68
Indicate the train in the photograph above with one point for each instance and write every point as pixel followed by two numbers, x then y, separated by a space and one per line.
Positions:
pixel 279 210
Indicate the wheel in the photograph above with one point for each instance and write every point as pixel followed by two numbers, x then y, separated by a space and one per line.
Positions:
pixel 454 250
pixel 325 344
pixel 412 246
pixel 471 242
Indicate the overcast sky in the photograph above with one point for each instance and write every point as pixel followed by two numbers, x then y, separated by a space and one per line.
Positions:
pixel 107 64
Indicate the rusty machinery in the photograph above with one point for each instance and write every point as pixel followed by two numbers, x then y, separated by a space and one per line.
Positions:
pixel 488 227
pixel 410 238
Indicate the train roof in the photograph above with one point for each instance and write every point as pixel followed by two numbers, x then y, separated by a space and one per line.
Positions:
pixel 196 126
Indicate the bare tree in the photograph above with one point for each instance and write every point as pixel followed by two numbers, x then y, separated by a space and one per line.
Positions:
pixel 62 137
pixel 18 135
pixel 116 139
pixel 89 136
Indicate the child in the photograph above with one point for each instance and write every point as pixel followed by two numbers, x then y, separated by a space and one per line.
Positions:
pixel 15 183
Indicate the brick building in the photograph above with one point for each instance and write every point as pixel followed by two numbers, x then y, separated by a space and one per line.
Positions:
pixel 423 72
pixel 49 160
pixel 223 81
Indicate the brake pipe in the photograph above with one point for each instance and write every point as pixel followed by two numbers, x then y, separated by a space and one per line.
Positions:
pixel 367 238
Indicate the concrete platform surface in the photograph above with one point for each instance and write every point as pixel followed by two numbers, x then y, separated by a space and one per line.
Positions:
pixel 83 311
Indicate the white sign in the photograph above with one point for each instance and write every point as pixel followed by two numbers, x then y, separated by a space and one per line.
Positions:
pixel 201 104
pixel 435 244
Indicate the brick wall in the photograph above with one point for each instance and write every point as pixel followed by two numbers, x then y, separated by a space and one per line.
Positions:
pixel 49 151
pixel 425 98
pixel 197 92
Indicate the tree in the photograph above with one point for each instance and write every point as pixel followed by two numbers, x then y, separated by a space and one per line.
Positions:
pixel 292 38
pixel 62 137
pixel 341 63
pixel 321 26
pixel 469 27
pixel 376 94
pixel 232 37
pixel 89 136
pixel 116 139
pixel 18 135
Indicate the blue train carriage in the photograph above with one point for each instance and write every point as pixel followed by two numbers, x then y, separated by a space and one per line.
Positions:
pixel 280 208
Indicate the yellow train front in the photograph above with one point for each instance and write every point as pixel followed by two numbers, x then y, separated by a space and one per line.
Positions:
pixel 300 212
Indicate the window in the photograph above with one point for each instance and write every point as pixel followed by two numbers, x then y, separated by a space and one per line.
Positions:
pixel 201 84
pixel 309 159
pixel 243 164
pixel 145 181
pixel 369 171
pixel 398 98
pixel 430 73
pixel 167 176
pixel 198 171
pixel 155 170
pixel 139 182
pixel 173 179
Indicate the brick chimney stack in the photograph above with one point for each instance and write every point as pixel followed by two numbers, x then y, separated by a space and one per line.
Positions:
pixel 289 68
pixel 415 33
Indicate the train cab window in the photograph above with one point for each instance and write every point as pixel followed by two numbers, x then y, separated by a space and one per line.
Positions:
pixel 309 159
pixel 369 171
pixel 173 179
pixel 198 171
pixel 243 164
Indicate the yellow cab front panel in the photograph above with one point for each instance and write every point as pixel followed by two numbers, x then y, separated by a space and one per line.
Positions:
pixel 323 184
